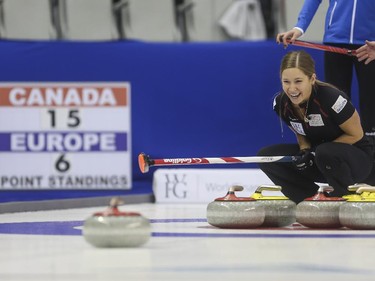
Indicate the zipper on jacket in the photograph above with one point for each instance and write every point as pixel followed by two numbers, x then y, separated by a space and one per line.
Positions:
pixel 353 21
pixel 332 13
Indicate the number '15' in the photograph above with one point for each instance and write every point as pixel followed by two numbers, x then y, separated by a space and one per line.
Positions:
pixel 73 118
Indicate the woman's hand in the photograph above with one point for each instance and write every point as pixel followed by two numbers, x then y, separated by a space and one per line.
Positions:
pixel 290 35
pixel 304 159
pixel 366 52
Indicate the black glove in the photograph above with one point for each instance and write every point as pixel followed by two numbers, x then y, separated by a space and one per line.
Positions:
pixel 304 159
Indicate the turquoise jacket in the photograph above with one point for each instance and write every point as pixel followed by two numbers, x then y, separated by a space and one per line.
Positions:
pixel 347 21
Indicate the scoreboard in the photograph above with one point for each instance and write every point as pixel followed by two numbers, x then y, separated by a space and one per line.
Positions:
pixel 65 135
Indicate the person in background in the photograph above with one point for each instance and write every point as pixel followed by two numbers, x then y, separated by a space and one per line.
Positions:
pixel 331 145
pixel 366 52
pixel 348 24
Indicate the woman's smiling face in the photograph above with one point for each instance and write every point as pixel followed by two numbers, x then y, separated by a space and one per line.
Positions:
pixel 297 85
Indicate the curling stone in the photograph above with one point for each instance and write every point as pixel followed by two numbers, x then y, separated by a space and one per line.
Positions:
pixel 235 212
pixel 320 211
pixel 113 228
pixel 280 211
pixel 359 212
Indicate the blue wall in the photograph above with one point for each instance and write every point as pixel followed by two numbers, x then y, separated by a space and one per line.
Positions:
pixel 188 99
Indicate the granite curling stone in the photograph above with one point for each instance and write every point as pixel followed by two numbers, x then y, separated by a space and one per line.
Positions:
pixel 280 210
pixel 235 212
pixel 320 211
pixel 113 228
pixel 359 212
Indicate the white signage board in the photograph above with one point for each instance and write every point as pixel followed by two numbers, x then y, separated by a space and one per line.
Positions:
pixel 205 185
pixel 65 135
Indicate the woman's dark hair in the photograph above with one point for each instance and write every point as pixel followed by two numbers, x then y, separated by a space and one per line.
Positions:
pixel 304 62
pixel 298 59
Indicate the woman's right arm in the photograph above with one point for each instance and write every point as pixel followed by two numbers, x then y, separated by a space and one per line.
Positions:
pixel 305 17
pixel 303 142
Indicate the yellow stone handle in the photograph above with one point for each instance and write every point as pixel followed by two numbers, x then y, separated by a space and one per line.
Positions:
pixel 367 188
pixel 268 188
pixel 354 187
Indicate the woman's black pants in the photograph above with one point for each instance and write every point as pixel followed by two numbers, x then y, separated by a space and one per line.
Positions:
pixel 337 164
pixel 338 71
